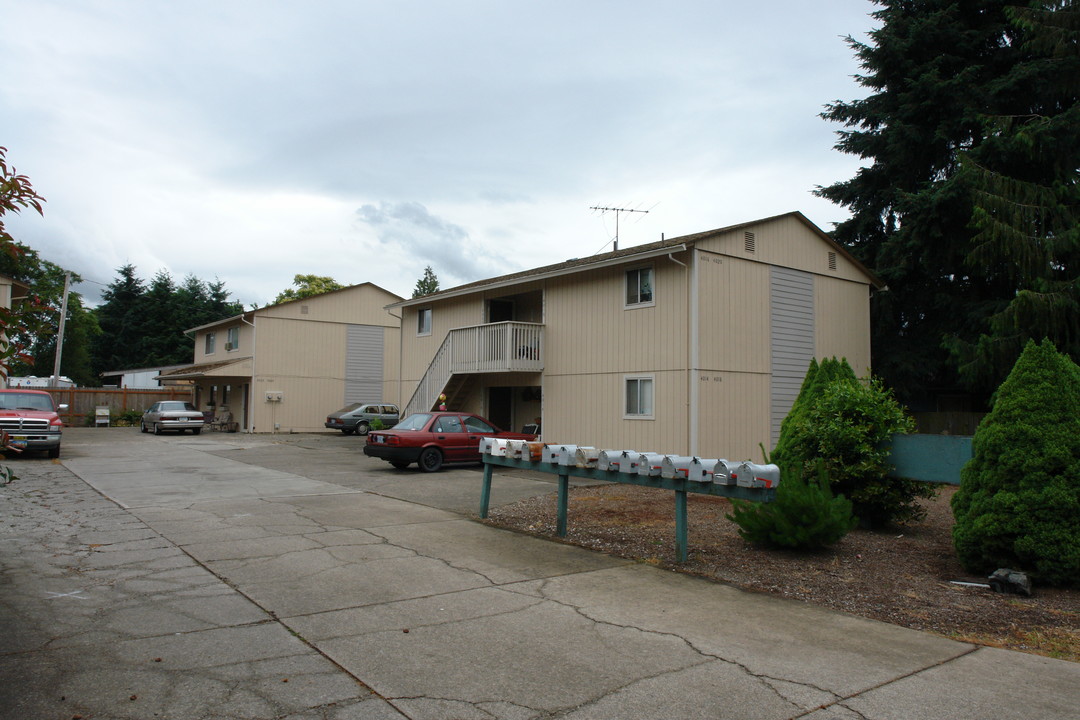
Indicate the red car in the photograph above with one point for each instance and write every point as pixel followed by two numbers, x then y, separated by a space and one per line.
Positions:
pixel 433 438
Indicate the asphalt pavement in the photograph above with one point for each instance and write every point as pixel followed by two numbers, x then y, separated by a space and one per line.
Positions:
pixel 290 577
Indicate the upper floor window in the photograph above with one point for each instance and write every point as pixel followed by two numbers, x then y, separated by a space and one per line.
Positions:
pixel 423 321
pixel 232 339
pixel 211 340
pixel 639 287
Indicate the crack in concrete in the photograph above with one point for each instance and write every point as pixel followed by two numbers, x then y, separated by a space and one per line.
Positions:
pixel 842 700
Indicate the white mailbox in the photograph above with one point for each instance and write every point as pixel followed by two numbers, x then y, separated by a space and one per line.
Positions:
pixel 615 460
pixel 586 457
pixel 517 449
pixel 724 472
pixel 675 466
pixel 493 446
pixel 551 452
pixel 701 470
pixel 649 464
pixel 752 475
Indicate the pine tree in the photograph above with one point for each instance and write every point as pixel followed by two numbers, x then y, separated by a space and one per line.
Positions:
pixel 944 76
pixel 122 322
pixel 1027 199
pixel 427 284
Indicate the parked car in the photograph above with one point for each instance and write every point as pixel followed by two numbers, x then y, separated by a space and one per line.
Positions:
pixel 357 417
pixel 433 438
pixel 172 415
pixel 30 419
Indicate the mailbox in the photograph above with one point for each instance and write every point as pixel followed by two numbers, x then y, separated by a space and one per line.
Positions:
pixel 615 460
pixel 675 466
pixel 551 453
pixel 586 457
pixel 517 449
pixel 701 470
pixel 752 475
pixel 724 472
pixel 493 446
pixel 649 464
pixel 534 451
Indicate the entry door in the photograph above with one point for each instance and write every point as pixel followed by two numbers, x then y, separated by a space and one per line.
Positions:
pixel 500 311
pixel 501 407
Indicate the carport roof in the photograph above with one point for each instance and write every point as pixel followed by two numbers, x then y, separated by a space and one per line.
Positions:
pixel 240 367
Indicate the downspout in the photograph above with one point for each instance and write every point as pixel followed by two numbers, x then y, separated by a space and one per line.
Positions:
pixel 692 351
pixel 251 389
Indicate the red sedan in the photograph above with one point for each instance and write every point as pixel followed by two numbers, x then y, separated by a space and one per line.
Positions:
pixel 431 439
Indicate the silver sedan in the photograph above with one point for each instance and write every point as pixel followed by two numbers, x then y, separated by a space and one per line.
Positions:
pixel 172 415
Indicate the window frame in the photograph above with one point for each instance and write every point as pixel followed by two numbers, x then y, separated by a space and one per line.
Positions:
pixel 636 272
pixel 421 330
pixel 638 378
pixel 232 337
pixel 209 343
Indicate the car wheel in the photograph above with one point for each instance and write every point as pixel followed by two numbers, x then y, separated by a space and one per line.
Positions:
pixel 400 465
pixel 363 428
pixel 430 460
pixel 157 429
pixel 196 431
pixel 54 452
pixel 142 426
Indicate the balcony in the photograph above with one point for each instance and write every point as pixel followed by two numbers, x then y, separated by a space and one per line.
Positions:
pixel 497 347
pixel 492 348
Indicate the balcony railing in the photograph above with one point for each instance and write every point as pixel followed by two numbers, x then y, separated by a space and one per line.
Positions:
pixel 495 347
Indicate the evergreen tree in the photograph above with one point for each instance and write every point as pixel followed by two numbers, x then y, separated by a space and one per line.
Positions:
pixel 427 284
pixel 1027 199
pixel 938 71
pixel 163 341
pixel 1018 505
pixel 122 321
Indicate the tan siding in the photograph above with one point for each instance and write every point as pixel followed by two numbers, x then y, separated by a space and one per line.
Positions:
pixel 734 411
pixel 304 406
pixel 588 329
pixel 842 325
pixel 419 351
pixel 359 304
pixel 787 242
pixel 734 314
pixel 220 354
pixel 588 410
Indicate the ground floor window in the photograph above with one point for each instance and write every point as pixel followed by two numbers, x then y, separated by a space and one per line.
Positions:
pixel 639 397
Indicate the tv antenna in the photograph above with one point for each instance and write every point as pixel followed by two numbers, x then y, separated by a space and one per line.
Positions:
pixel 617 211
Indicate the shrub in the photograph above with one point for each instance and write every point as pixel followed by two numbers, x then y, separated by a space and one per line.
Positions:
pixel 376 424
pixel 846 424
pixel 804 516
pixel 1018 504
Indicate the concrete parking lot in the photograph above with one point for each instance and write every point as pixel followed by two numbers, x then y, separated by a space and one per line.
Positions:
pixel 238 576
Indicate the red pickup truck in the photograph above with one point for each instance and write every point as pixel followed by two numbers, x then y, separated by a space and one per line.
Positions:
pixel 30 421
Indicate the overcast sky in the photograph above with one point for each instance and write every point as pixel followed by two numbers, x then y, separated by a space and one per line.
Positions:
pixel 252 140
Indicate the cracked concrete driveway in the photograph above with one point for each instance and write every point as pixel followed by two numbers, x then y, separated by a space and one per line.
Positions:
pixel 232 576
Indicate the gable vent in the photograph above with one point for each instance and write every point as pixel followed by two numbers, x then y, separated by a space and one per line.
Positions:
pixel 832 261
pixel 749 241
pixel 304 310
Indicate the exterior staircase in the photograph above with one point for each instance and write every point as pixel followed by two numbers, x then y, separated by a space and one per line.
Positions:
pixel 492 348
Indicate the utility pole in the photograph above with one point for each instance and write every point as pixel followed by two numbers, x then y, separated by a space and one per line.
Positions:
pixel 617 211
pixel 60 332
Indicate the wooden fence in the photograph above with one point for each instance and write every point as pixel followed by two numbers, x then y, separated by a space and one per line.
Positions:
pixel 82 402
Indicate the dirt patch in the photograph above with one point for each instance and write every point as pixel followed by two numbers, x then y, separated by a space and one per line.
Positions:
pixel 901 576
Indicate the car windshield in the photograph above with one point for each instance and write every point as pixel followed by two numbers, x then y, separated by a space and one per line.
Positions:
pixel 416 421
pixel 173 406
pixel 25 401
pixel 349 408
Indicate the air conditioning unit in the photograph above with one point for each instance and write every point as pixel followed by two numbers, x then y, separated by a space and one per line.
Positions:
pixel 228 346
